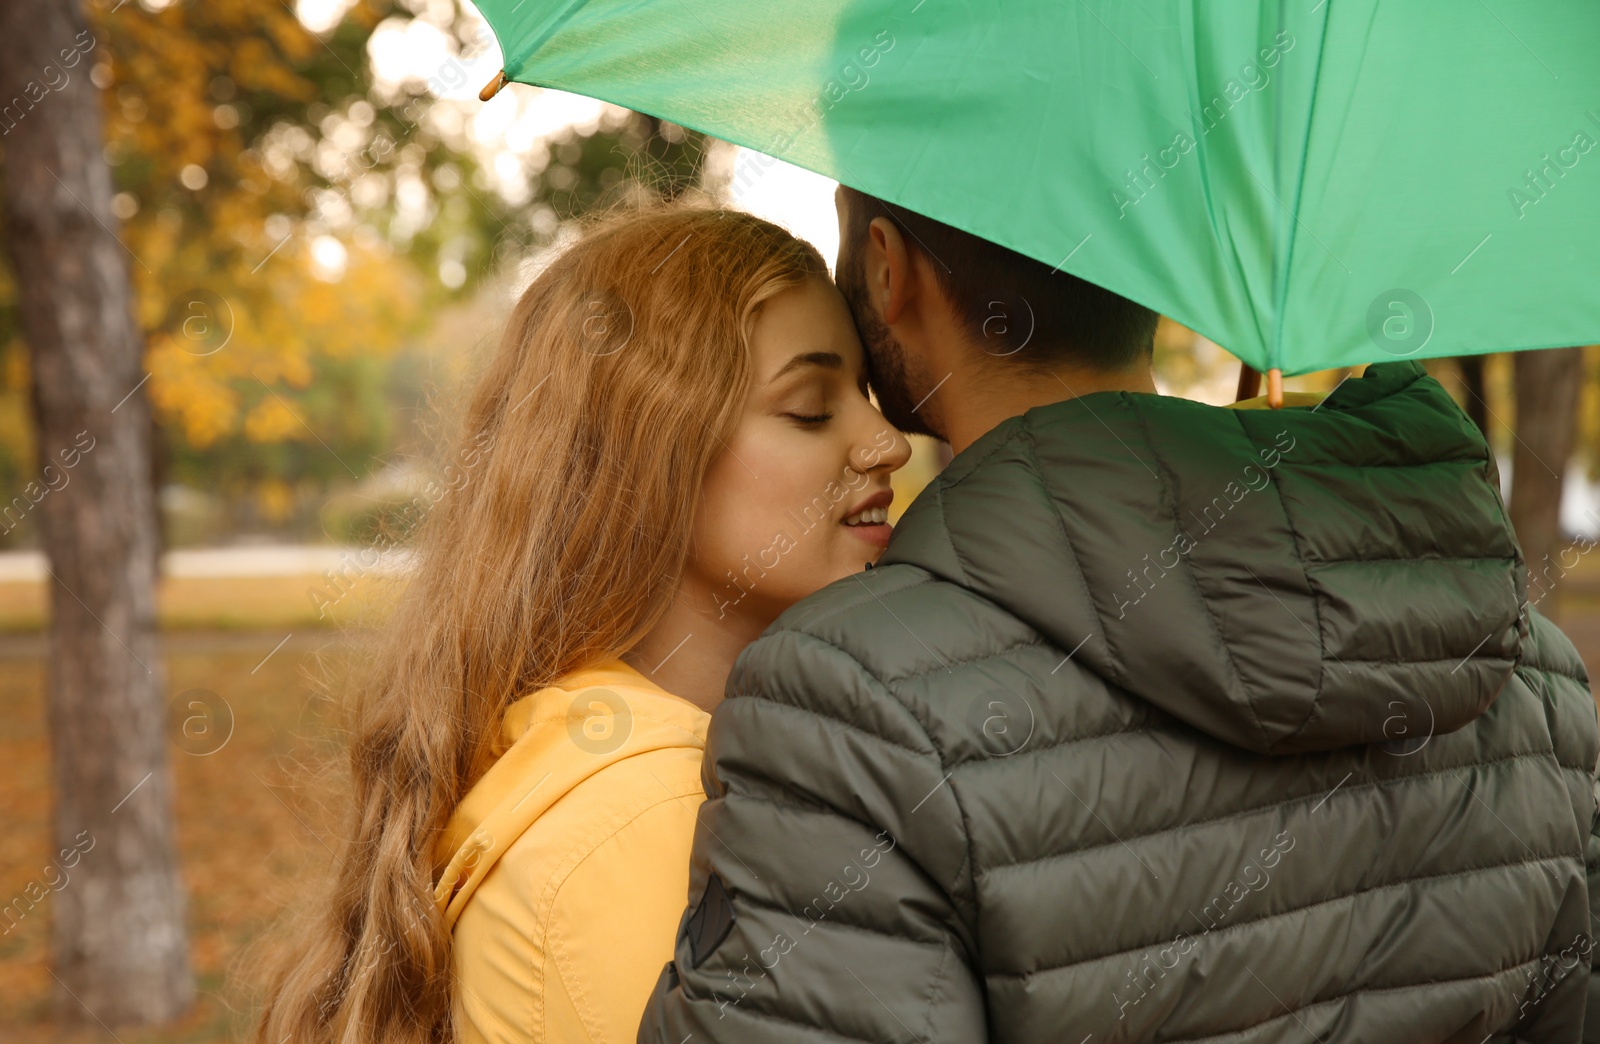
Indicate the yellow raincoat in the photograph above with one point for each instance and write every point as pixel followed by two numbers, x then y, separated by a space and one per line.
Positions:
pixel 565 870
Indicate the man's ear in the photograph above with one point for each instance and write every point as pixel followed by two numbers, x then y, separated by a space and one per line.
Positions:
pixel 889 274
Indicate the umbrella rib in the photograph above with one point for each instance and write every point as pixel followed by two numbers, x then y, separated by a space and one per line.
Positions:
pixel 1275 349
pixel 542 38
pixel 1309 231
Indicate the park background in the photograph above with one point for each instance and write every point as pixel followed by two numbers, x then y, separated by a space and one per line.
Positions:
pixel 325 230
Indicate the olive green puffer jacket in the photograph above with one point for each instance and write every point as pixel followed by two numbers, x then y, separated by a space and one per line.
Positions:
pixel 1160 722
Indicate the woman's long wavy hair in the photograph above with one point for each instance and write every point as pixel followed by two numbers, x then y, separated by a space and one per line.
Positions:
pixel 560 539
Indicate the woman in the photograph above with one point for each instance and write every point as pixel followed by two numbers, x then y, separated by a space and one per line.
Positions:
pixel 672 446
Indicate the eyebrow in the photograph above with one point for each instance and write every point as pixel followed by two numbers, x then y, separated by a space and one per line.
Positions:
pixel 827 360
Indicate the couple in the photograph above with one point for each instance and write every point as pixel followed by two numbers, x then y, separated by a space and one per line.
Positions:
pixel 1153 720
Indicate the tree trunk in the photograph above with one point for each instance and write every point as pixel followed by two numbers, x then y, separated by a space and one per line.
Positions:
pixel 1477 392
pixel 119 949
pixel 1547 387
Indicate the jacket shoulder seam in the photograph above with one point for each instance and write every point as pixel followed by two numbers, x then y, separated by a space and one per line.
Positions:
pixel 933 988
pixel 944 524
pixel 1295 545
pixel 1012 436
pixel 1114 658
pixel 621 821
pixel 579 852
pixel 1170 502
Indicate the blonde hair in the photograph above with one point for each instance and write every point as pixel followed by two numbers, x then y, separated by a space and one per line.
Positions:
pixel 622 371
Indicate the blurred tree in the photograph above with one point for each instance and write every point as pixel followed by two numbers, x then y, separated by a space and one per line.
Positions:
pixel 1589 415
pixel 284 230
pixel 1475 390
pixel 1548 384
pixel 119 949
pixel 290 215
pixel 260 190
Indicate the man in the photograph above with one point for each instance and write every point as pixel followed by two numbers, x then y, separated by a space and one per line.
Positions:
pixel 1158 721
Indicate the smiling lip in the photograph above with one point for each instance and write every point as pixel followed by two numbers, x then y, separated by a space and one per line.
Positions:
pixel 883 498
pixel 878 533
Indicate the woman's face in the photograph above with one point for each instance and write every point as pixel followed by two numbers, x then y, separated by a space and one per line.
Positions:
pixel 800 495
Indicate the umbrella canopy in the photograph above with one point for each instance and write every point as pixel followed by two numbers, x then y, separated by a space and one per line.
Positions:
pixel 1309 184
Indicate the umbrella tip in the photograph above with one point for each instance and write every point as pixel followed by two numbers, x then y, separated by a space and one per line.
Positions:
pixel 492 88
pixel 1275 389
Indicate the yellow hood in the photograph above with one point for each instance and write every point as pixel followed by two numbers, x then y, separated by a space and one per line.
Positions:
pixel 554 739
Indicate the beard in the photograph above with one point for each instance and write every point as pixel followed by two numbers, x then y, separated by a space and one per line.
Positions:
pixel 899 388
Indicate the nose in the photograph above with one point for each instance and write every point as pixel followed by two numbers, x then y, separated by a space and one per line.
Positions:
pixel 886 450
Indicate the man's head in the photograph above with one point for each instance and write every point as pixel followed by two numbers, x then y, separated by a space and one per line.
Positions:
pixel 932 301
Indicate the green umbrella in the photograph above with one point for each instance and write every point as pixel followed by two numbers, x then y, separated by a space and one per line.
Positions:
pixel 1309 184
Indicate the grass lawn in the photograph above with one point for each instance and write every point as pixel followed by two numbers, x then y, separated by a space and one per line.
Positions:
pixel 244 823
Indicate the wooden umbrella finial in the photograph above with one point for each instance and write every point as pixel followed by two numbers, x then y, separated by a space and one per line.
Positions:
pixel 1250 385
pixel 492 88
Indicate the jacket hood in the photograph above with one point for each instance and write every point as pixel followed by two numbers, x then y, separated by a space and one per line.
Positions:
pixel 553 740
pixel 1283 580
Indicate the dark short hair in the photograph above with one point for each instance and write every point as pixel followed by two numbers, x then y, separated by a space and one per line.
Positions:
pixel 1011 305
